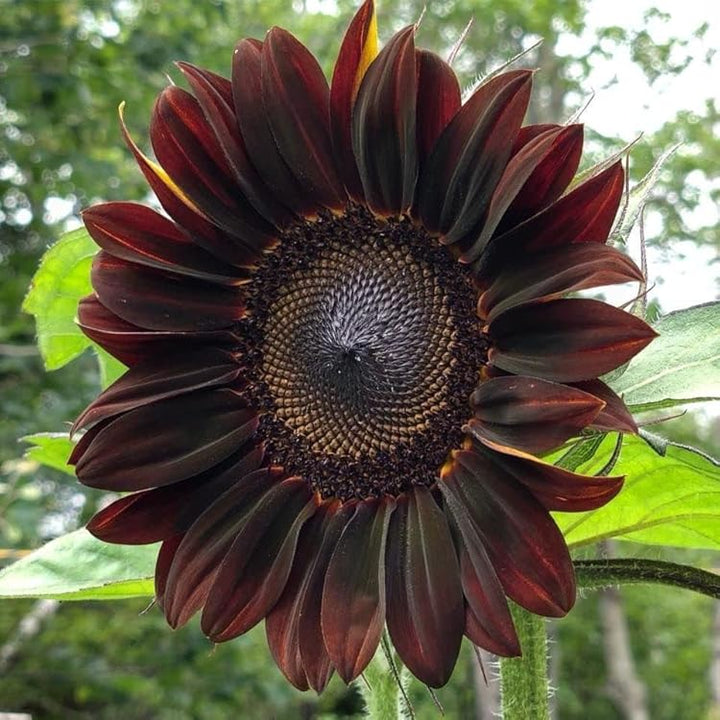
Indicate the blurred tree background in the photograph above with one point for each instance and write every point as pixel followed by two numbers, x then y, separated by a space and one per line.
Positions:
pixel 64 68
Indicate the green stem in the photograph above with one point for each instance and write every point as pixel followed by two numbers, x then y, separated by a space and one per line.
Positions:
pixel 523 680
pixel 592 574
pixel 382 688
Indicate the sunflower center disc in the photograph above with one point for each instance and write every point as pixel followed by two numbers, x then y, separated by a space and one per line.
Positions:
pixel 368 350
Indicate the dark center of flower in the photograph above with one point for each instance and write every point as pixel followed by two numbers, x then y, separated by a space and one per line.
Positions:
pixel 367 348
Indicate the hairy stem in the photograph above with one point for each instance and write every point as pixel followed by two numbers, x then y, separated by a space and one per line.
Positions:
pixel 524 680
pixel 383 686
pixel 593 574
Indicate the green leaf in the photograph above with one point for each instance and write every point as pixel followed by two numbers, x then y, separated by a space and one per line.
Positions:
pixel 61 280
pixel 681 366
pixel 670 500
pixel 110 368
pixel 51 449
pixel 59 284
pixel 580 452
pixel 78 566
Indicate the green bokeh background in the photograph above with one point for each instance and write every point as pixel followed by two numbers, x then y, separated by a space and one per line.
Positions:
pixel 64 68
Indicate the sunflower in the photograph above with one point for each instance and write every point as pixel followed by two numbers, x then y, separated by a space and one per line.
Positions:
pixel 347 341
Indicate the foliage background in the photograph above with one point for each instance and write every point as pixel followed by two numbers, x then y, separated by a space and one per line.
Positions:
pixel 64 68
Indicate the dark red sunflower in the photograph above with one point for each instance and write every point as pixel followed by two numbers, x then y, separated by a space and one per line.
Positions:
pixel 346 343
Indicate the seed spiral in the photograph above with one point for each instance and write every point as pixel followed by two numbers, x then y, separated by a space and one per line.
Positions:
pixel 367 349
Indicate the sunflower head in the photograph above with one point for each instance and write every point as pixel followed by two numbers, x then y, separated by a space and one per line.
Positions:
pixel 348 339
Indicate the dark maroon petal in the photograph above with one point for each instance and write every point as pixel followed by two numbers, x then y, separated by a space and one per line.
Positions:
pixel 283 621
pixel 523 543
pixel 84 442
pixel 257 565
pixel 187 148
pixel 585 214
pixel 590 209
pixel 530 132
pixel 514 178
pixel 530 414
pixel 214 94
pixel 206 543
pixel 293 626
pixel 467 161
pixel 383 127
pixel 488 622
pixel 566 340
pixel 315 658
pixel 550 274
pixel 159 300
pixel 425 609
pixel 167 441
pixel 358 50
pixel 253 123
pixel 296 98
pixel 132 344
pixel 139 234
pixel 438 100
pixel 186 213
pixel 554 487
pixel 158 380
pixel 138 519
pixel 353 603
pixel 614 416
pixel 162 566
pixel 478 633
pixel 550 177
pixel 152 515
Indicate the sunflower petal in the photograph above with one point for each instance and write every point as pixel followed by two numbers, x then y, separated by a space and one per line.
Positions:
pixel 550 177
pixel 293 625
pixel 163 450
pixel 139 234
pixel 615 416
pixel 550 274
pixel 566 340
pixel 296 99
pixel 259 141
pixel 585 214
pixel 438 100
pixel 488 622
pixel 530 414
pixel 383 127
pixel 158 300
pixel 165 557
pixel 257 565
pixel 534 177
pixel 513 179
pixel 315 657
pixel 527 133
pixel 186 147
pixel 359 48
pixel 523 543
pixel 184 212
pixel 425 611
pixel 132 344
pixel 201 552
pixel 152 515
pixel 158 380
pixel 554 487
pixel 214 94
pixel 468 159
pixel 353 604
